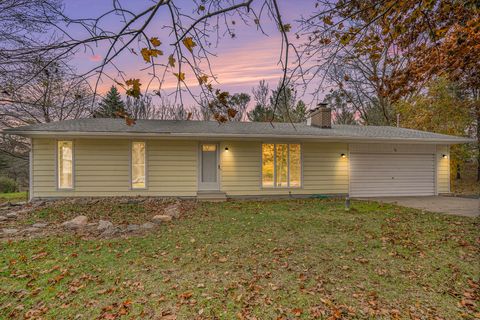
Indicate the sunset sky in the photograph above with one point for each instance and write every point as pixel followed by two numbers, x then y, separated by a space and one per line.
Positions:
pixel 240 63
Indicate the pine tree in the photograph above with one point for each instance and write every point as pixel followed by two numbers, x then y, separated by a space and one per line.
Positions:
pixel 288 108
pixel 112 105
pixel 260 113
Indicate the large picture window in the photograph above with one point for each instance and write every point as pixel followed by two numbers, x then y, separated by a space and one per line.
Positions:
pixel 281 165
pixel 138 165
pixel 65 164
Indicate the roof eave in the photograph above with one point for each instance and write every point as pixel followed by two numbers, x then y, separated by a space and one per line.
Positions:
pixel 77 134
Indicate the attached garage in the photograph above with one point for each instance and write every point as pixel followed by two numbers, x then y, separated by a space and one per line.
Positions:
pixel 392 170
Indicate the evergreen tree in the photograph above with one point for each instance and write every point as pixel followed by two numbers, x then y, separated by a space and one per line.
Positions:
pixel 288 108
pixel 279 106
pixel 260 113
pixel 112 105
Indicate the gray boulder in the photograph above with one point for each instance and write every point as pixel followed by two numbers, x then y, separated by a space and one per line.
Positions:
pixel 31 230
pixel 173 210
pixel 5 205
pixel 10 232
pixel 12 215
pixel 133 227
pixel 39 225
pixel 104 225
pixel 148 226
pixel 111 231
pixel 76 223
pixel 161 218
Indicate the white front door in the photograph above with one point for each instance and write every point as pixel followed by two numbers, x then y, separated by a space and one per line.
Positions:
pixel 208 171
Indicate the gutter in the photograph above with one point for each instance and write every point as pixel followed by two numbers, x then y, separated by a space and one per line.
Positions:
pixel 168 135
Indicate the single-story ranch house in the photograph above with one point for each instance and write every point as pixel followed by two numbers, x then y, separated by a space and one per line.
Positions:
pixel 205 159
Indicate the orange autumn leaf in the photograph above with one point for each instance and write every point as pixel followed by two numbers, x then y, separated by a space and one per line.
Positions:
pixel 134 89
pixel 155 42
pixel 147 54
pixel 297 312
pixel 171 61
pixel 202 79
pixel 189 43
pixel 180 76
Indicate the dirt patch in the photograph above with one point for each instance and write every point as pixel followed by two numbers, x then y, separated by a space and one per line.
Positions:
pixel 122 215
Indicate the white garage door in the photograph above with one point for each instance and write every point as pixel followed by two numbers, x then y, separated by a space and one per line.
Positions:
pixel 376 174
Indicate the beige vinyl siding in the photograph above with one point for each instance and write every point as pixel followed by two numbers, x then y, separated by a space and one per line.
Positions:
pixel 443 169
pixel 324 171
pixel 102 168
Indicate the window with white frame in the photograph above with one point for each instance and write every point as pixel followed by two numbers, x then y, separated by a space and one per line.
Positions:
pixel 138 168
pixel 281 165
pixel 65 164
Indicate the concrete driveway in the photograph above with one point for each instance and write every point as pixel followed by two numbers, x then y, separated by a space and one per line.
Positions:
pixel 451 205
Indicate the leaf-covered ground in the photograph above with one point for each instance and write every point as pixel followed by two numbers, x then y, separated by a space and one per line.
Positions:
pixel 468 184
pixel 291 259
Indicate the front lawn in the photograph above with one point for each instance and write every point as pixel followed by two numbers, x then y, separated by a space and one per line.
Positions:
pixel 13 197
pixel 255 260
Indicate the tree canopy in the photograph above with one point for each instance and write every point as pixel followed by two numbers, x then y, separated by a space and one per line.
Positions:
pixel 111 106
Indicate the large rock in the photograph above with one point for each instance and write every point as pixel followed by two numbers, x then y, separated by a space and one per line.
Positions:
pixel 5 205
pixel 76 223
pixel 161 218
pixel 10 232
pixel 148 226
pixel 18 204
pixel 111 231
pixel 39 225
pixel 3 218
pixel 173 210
pixel 133 227
pixel 104 225
pixel 31 230
pixel 12 215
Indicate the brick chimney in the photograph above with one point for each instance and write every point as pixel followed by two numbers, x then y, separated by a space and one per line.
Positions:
pixel 320 117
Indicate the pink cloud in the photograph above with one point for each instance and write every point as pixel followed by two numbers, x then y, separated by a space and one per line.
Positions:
pixel 95 58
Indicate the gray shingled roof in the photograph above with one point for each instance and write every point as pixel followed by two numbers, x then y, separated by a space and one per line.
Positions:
pixel 102 127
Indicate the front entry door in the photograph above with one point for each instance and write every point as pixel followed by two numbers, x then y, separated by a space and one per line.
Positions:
pixel 208 167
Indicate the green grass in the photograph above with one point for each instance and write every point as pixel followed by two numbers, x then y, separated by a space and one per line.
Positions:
pixel 270 260
pixel 13 197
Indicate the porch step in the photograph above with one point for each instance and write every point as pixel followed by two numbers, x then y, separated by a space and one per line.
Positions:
pixel 212 196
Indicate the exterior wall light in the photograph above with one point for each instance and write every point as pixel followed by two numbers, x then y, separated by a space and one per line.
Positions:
pixel 226 148
pixel 343 155
pixel 444 156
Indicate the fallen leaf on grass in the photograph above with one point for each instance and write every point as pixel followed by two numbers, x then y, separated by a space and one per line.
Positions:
pixel 40 255
pixel 297 312
pixel 186 295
